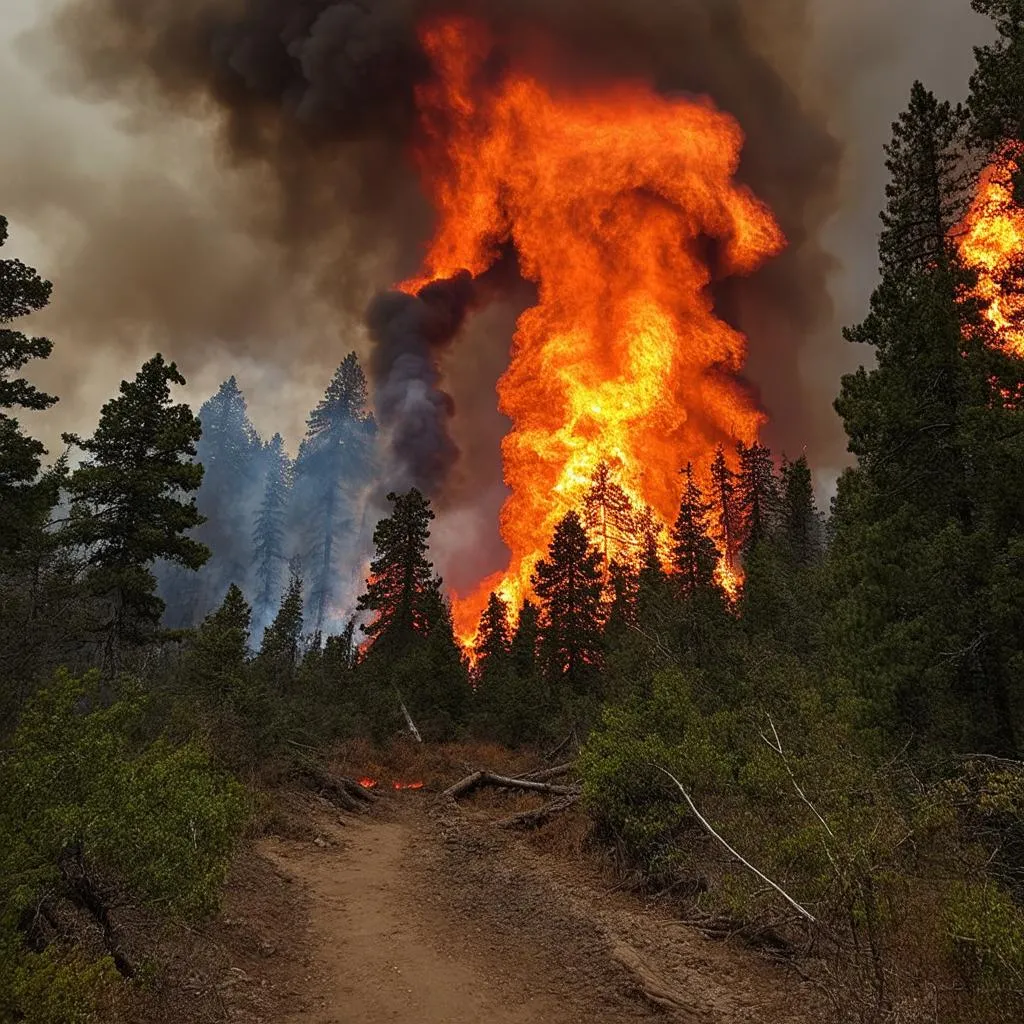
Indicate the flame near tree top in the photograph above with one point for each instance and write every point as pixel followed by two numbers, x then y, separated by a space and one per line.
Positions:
pixel 991 241
pixel 610 196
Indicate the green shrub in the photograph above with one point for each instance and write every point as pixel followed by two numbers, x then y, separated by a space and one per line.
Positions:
pixel 90 813
pixel 986 936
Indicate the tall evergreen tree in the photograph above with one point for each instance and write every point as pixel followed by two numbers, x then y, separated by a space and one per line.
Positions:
pixel 332 472
pixel 726 508
pixel 996 102
pixel 569 585
pixel 525 640
pixel 757 495
pixel 219 650
pixel 269 540
pixel 912 544
pixel 494 636
pixel 801 523
pixel 609 515
pixel 928 187
pixel 24 500
pixel 282 641
pixel 130 501
pixel 402 590
pixel 230 452
pixel 694 554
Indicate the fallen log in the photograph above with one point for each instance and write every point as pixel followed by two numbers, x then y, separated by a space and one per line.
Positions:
pixel 477 779
pixel 547 774
pixel 340 790
pixel 540 816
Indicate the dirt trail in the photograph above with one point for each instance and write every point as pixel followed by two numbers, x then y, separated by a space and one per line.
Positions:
pixel 379 962
pixel 434 919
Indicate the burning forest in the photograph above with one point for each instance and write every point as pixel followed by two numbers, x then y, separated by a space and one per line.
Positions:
pixel 552 538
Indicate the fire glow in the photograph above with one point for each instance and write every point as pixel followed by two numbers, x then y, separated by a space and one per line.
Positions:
pixel 613 197
pixel 368 783
pixel 991 239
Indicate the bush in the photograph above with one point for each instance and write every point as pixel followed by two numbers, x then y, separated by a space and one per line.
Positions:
pixel 89 816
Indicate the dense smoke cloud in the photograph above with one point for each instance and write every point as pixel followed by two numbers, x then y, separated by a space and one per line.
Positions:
pixel 410 333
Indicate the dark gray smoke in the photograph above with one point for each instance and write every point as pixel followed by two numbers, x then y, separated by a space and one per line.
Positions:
pixel 410 334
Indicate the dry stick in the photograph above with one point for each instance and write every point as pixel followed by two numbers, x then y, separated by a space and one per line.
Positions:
pixel 547 774
pixel 777 747
pixel 408 718
pixel 803 911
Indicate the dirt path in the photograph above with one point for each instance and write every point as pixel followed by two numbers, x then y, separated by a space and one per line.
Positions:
pixel 380 963
pixel 436 920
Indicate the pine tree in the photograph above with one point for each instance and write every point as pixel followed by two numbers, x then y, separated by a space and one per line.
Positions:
pixel 694 554
pixel 609 515
pixel 914 545
pixel 129 499
pixel 757 495
pixel 332 472
pixel 24 500
pixel 219 650
pixel 230 452
pixel 928 185
pixel 729 530
pixel 525 640
pixel 801 523
pixel 569 585
pixel 269 541
pixel 402 589
pixel 493 638
pixel 996 102
pixel 281 647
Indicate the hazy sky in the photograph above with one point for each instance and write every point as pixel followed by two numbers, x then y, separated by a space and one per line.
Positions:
pixel 70 173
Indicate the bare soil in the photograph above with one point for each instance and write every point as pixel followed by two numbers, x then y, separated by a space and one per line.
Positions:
pixel 425 912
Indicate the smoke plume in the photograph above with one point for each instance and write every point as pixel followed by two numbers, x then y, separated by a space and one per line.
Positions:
pixel 410 334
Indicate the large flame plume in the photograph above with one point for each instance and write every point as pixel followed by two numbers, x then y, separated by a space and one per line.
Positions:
pixel 618 201
pixel 991 242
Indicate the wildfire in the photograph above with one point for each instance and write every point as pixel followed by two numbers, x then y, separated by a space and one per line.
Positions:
pixel 368 783
pixel 991 241
pixel 612 196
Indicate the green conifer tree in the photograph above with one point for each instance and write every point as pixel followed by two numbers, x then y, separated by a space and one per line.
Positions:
pixel 130 501
pixel 694 554
pixel 569 585
pixel 282 642
pixel 219 649
pixel 25 501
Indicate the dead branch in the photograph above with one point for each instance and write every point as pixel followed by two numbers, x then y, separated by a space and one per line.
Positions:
pixel 777 747
pixel 803 911
pixel 541 816
pixel 408 719
pixel 547 774
pixel 477 779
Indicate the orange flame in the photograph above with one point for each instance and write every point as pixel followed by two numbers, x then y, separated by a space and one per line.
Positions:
pixel 991 240
pixel 408 785
pixel 611 196
pixel 367 783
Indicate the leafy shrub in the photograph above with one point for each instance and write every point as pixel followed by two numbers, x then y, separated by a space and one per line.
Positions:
pixel 89 814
